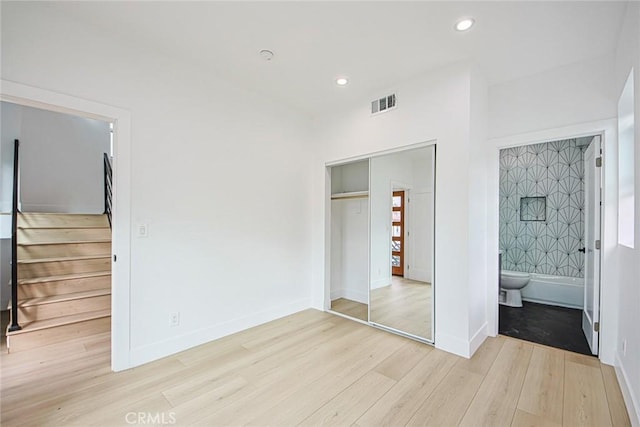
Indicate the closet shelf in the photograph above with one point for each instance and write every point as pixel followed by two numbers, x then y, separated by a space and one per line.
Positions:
pixel 350 195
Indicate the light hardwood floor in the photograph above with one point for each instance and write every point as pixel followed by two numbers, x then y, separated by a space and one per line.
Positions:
pixel 312 368
pixel 351 308
pixel 404 305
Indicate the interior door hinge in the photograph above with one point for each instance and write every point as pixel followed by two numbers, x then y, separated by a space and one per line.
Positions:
pixel 596 327
pixel 598 162
pixel 598 244
pixel 114 258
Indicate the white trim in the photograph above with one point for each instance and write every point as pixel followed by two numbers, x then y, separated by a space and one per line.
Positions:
pixel 453 344
pixel 21 94
pixel 350 294
pixel 608 130
pixel 630 400
pixel 380 153
pixel 477 339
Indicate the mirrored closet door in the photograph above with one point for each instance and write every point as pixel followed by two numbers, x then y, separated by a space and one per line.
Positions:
pixel 382 241
pixel 350 239
pixel 402 229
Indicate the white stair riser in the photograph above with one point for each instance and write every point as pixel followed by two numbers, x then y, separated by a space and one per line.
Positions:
pixel 63 308
pixel 58 268
pixel 42 337
pixel 63 250
pixel 47 235
pixel 60 287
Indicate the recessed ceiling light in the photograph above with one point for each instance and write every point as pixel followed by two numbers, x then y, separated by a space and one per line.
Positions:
pixel 342 81
pixel 464 24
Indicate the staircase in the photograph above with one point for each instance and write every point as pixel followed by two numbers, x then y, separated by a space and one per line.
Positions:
pixel 64 278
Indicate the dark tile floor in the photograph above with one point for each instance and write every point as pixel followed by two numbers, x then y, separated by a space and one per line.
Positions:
pixel 558 327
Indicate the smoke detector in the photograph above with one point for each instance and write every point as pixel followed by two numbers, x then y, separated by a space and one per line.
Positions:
pixel 266 54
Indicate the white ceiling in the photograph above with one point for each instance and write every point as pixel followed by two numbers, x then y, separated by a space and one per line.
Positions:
pixel 376 44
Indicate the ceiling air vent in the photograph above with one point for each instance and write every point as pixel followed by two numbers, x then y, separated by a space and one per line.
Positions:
pixel 383 104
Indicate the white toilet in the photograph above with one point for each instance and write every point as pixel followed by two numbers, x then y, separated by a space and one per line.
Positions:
pixel 511 282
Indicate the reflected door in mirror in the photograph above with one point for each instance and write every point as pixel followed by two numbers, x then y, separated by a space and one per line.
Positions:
pixel 397 234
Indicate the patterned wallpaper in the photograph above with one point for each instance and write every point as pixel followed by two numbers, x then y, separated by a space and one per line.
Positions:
pixel 553 170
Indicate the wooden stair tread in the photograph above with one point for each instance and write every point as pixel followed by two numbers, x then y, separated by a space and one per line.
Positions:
pixel 65 227
pixel 67 258
pixel 61 220
pixel 68 242
pixel 64 277
pixel 63 297
pixel 60 321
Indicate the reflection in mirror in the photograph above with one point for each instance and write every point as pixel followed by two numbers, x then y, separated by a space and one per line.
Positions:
pixel 350 239
pixel 401 197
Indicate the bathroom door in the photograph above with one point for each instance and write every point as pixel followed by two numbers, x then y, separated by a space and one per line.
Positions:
pixel 591 310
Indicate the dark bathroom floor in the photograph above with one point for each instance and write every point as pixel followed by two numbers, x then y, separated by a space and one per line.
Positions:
pixel 558 327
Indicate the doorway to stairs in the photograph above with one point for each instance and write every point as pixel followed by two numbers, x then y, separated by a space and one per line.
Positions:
pixel 62 235
pixel 97 274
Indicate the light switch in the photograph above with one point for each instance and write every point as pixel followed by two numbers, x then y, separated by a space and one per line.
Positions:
pixel 143 230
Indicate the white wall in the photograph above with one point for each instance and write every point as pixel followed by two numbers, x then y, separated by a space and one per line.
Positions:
pixel 422 208
pixel 573 94
pixel 350 249
pixel 435 106
pixel 626 260
pixel 9 126
pixel 61 159
pixel 223 186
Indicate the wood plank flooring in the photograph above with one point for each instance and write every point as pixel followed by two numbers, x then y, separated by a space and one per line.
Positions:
pixel 309 369
pixel 350 308
pixel 404 305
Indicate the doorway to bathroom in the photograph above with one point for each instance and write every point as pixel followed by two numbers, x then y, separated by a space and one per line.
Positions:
pixel 549 228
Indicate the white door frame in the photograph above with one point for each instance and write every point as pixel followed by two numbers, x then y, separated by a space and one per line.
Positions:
pixel 607 129
pixel 20 94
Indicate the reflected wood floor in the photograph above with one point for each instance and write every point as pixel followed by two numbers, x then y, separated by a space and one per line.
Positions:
pixel 312 368
pixel 351 308
pixel 404 305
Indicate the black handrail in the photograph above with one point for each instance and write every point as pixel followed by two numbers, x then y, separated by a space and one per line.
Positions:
pixel 14 326
pixel 108 178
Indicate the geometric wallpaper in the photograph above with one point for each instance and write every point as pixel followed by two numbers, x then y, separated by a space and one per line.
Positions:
pixel 553 170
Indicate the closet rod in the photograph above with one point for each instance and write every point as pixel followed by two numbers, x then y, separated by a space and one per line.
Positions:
pixel 357 196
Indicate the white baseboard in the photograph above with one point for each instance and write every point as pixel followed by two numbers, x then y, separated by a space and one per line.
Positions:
pixel 452 344
pixel 155 351
pixel 630 399
pixel 380 283
pixel 461 347
pixel 477 339
pixel 350 294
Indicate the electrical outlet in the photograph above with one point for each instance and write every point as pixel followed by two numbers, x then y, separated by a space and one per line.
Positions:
pixel 624 347
pixel 143 230
pixel 175 319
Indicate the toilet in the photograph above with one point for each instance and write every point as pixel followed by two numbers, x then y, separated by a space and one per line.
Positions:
pixel 511 282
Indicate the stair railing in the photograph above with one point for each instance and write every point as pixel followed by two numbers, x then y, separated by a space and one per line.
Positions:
pixel 108 178
pixel 14 326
